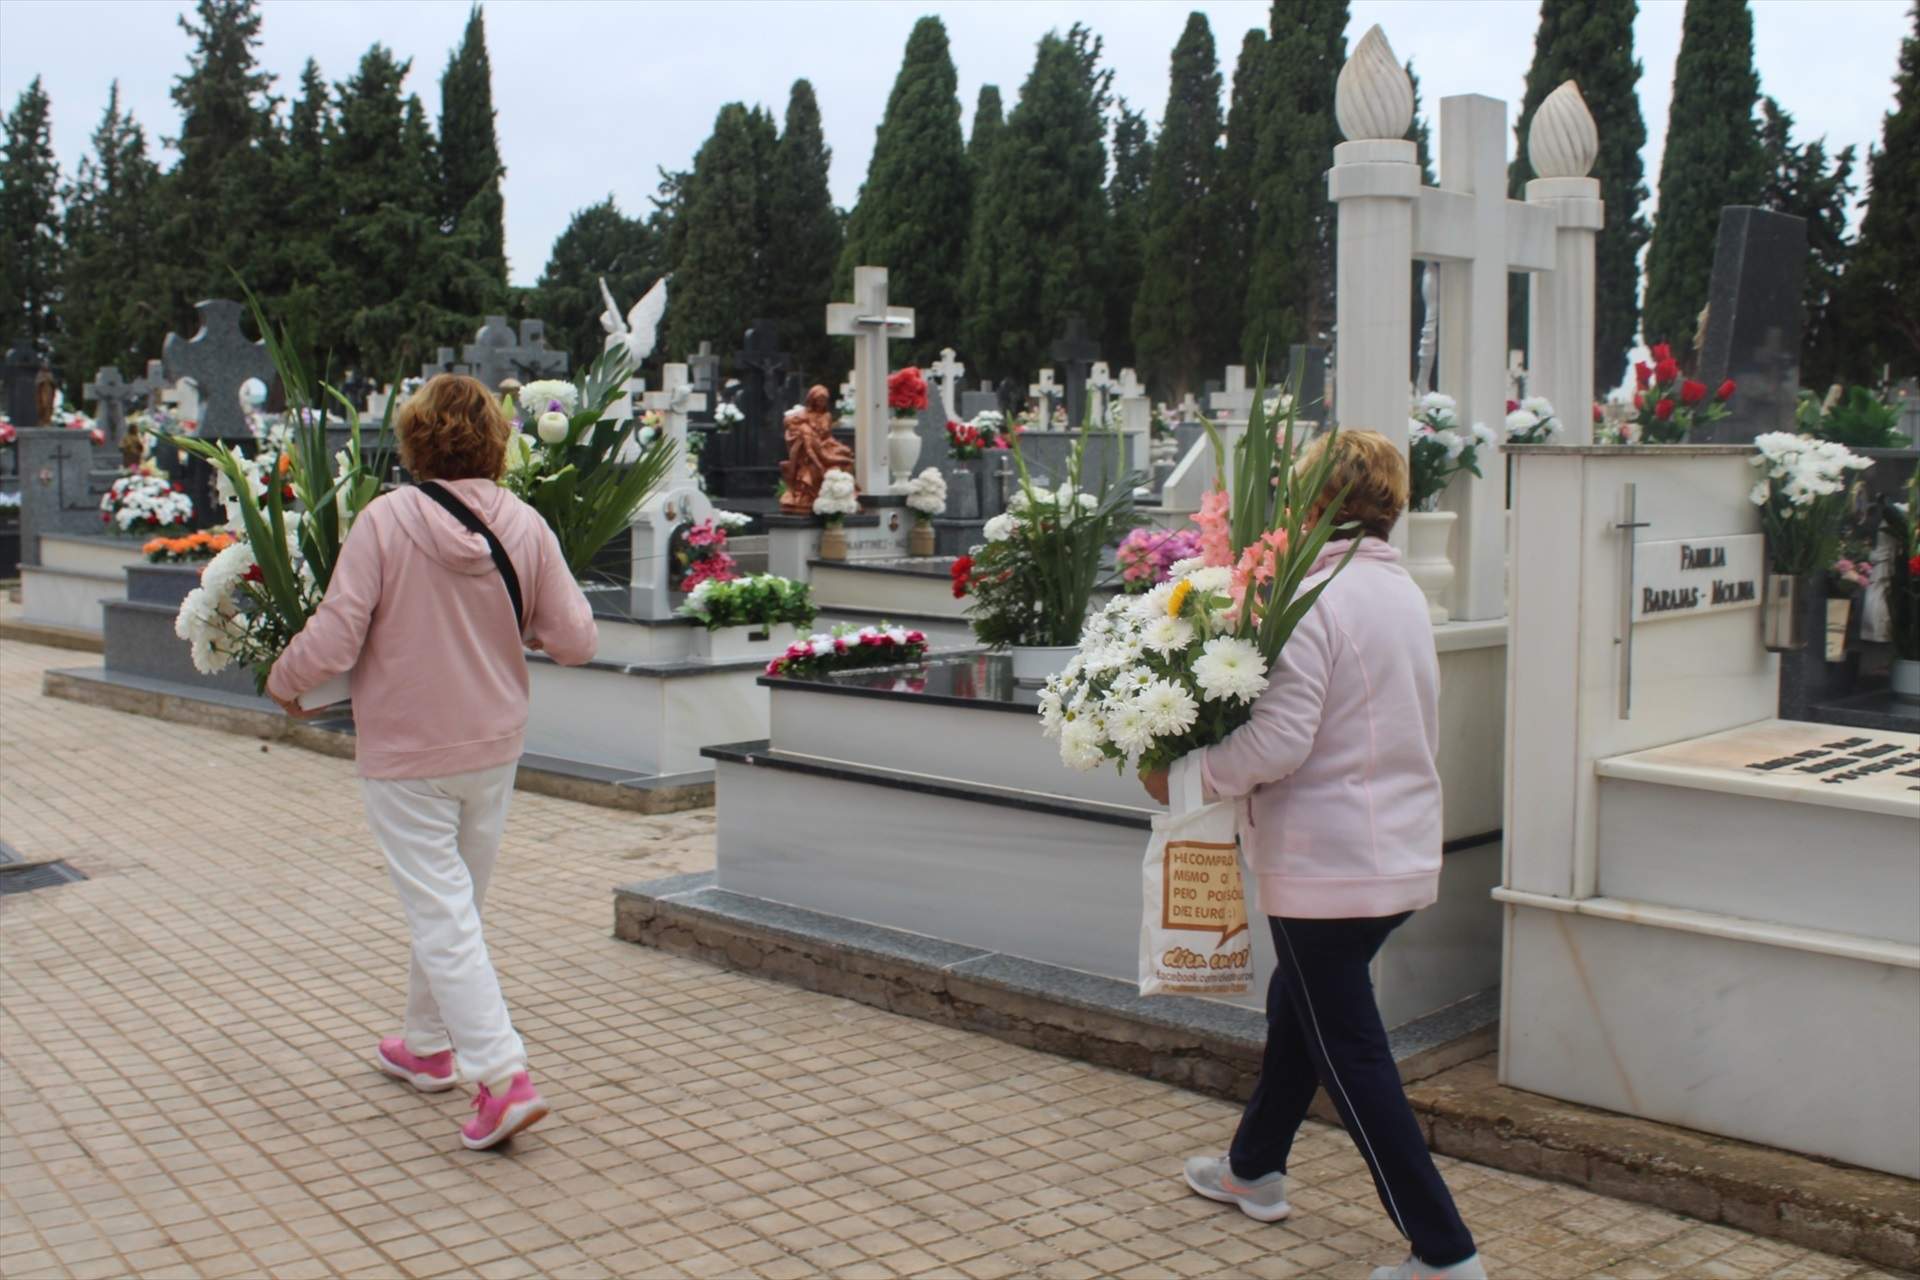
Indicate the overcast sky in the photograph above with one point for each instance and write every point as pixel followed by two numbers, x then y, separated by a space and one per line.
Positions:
pixel 595 95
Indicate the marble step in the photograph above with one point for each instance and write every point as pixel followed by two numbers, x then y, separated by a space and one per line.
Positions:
pixel 140 641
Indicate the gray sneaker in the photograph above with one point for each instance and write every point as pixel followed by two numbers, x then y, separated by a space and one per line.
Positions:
pixel 1414 1269
pixel 1263 1199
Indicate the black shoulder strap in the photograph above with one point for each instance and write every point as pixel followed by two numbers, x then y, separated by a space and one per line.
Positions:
pixel 464 514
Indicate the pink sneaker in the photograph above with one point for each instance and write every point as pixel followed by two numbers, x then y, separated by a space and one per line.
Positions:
pixel 498 1118
pixel 429 1074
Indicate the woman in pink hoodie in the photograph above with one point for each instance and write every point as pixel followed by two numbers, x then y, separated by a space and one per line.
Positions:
pixel 430 615
pixel 1341 827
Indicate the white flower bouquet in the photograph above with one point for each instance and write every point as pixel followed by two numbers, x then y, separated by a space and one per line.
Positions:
pixel 145 503
pixel 1802 499
pixel 839 497
pixel 727 416
pixel 1438 449
pixel 846 648
pixel 1163 674
pixel 1531 421
pixel 927 495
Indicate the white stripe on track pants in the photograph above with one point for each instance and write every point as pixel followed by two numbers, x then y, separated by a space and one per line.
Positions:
pixel 441 837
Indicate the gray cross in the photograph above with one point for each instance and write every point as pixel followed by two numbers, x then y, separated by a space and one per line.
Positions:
pixel 498 353
pixel 113 393
pixel 219 359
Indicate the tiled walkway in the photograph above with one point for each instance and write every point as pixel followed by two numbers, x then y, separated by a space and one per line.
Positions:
pixel 185 1088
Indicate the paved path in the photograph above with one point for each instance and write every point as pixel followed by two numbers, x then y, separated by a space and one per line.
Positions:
pixel 185 1091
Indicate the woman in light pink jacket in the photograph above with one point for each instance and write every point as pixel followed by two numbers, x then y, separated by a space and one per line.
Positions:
pixel 420 612
pixel 1341 827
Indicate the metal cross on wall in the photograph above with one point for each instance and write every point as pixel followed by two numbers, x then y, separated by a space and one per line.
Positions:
pixel 219 359
pixel 872 321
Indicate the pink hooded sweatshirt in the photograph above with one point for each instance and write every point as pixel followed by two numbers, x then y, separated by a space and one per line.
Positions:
pixel 419 614
pixel 1337 766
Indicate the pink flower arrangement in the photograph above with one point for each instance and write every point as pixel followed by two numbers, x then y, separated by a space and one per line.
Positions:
pixel 844 649
pixel 1258 562
pixel 706 558
pixel 1216 538
pixel 1146 556
pixel 7 433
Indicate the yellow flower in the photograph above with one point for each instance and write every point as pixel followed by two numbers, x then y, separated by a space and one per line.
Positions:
pixel 1178 600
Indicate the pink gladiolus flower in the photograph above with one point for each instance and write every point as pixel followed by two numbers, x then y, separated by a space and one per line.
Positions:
pixel 1216 540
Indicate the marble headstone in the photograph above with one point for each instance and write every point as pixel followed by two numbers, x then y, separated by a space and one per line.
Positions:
pixel 21 369
pixel 1755 307
pixel 219 359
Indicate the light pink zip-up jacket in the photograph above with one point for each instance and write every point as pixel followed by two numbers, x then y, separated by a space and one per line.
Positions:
pixel 418 613
pixel 1337 767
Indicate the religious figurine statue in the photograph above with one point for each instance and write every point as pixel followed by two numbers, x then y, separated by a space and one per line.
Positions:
pixel 133 448
pixel 811 452
pixel 44 390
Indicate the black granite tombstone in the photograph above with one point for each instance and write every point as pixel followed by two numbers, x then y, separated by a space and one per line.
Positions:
pixel 1755 308
pixel 21 369
pixel 1075 351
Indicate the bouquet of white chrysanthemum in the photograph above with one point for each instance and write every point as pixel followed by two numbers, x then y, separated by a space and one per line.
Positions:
pixel 1531 421
pixel 1802 498
pixel 927 494
pixel 839 497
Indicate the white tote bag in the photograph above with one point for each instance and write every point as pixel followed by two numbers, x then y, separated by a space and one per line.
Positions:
pixel 1193 926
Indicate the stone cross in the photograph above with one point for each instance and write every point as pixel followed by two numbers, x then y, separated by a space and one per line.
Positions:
pixel 1044 391
pixel 1077 351
pixel 871 321
pixel 1189 408
pixel 156 382
pixel 442 362
pixel 676 398
pixel 498 353
pixel 1235 404
pixel 219 359
pixel 1136 418
pixel 949 371
pixel 1100 382
pixel 113 393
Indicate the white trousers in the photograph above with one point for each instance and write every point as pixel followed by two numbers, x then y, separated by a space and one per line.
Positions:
pixel 441 837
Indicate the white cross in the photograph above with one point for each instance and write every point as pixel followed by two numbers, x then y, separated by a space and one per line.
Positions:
pixel 675 399
pixel 1100 382
pixel 1136 418
pixel 1189 409
pixel 1043 392
pixel 949 371
pixel 870 321
pixel 1236 402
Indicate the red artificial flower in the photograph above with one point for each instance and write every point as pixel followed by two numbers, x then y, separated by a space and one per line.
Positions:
pixel 1666 371
pixel 1664 409
pixel 1642 374
pixel 961 572
pixel 907 389
pixel 1692 392
pixel 106 517
pixel 1639 400
pixel 253 574
pixel 1725 392
pixel 1913 567
pixel 1598 416
pixel 1661 351
pixel 1512 405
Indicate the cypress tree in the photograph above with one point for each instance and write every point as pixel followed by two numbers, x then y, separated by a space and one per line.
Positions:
pixel 109 309
pixel 599 241
pixel 1177 317
pixel 720 266
pixel 1712 159
pixel 221 209
pixel 913 209
pixel 988 124
pixel 30 248
pixel 1039 228
pixel 1591 43
pixel 1290 274
pixel 1245 110
pixel 470 150
pixel 1803 182
pixel 1422 139
pixel 806 233
pixel 1883 282
pixel 1126 233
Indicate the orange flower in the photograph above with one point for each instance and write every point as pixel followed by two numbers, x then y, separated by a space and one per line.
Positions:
pixel 284 465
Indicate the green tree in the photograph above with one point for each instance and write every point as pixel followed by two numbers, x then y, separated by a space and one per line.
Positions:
pixel 1245 110
pixel 30 246
pixel 989 123
pixel 1712 159
pixel 913 209
pixel 470 150
pixel 1591 43
pixel 806 235
pixel 315 299
pixel 1178 314
pixel 221 206
pixel 599 242
pixel 1421 137
pixel 720 267
pixel 1039 227
pixel 1802 181
pixel 109 309
pixel 1126 232
pixel 1883 281
pixel 1290 274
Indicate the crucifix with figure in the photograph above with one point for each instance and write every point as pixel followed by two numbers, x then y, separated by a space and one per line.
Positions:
pixel 675 399
pixel 871 321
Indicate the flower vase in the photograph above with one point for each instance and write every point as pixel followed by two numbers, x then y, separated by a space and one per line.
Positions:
pixel 963 490
pixel 903 449
pixel 759 641
pixel 1905 679
pixel 1783 626
pixel 833 542
pixel 920 538
pixel 1033 663
pixel 1428 563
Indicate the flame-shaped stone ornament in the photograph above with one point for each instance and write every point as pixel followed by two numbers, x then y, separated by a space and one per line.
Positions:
pixel 1373 98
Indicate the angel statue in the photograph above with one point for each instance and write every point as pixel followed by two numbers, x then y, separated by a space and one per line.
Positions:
pixel 639 329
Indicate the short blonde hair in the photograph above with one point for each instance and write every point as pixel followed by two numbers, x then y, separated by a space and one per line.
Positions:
pixel 453 429
pixel 1371 469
